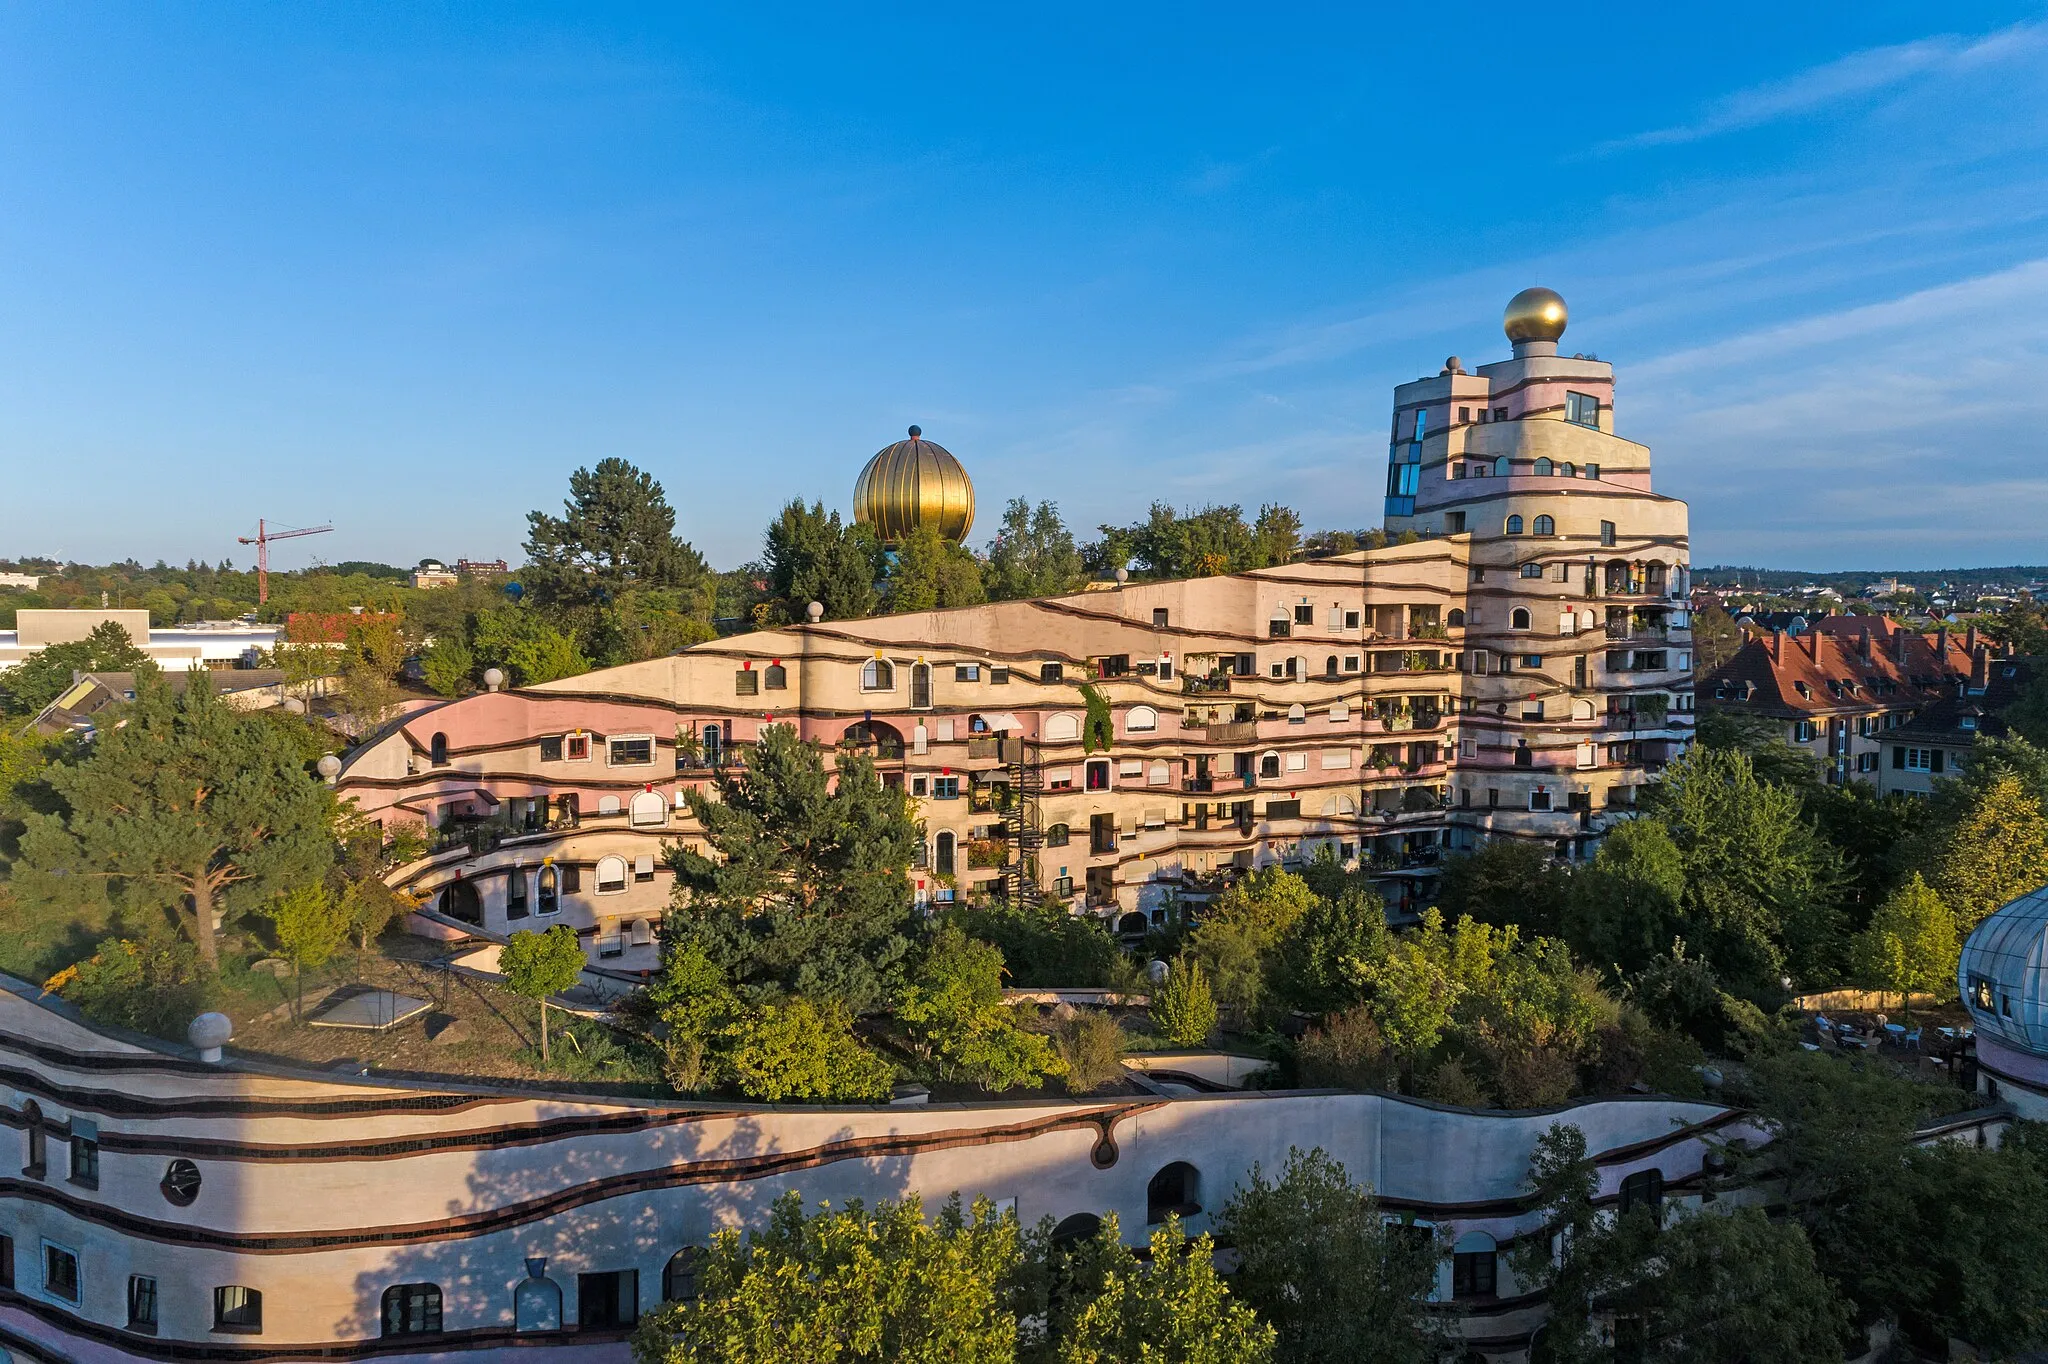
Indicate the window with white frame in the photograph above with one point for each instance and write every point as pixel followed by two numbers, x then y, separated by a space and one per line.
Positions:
pixel 630 750
pixel 1141 720
pixel 611 875
pixel 877 674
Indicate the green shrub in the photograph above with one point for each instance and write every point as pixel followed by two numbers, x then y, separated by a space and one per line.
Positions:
pixel 1090 1046
pixel 154 986
pixel 1183 1008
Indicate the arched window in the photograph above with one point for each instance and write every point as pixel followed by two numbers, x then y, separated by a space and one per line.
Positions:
pixel 1340 712
pixel 942 854
pixel 1456 619
pixel 537 1305
pixel 437 750
pixel 1174 1191
pixel 460 901
pixel 1141 720
pixel 37 1163
pixel 679 1280
pixel 611 875
pixel 1062 728
pixel 775 678
pixel 1330 666
pixel 609 805
pixel 1546 526
pixel 1644 1189
pixel 1568 470
pixel 713 741
pixel 1159 774
pixel 1058 836
pixel 1514 525
pixel 648 810
pixel 1297 714
pixel 1518 619
pixel 878 674
pixel 1082 1226
pixel 412 1309
pixel 1340 805
pixel 1500 467
pixel 1532 569
pixel 1475 1266
pixel 1269 764
pixel 1543 468
pixel 547 892
pixel 1131 925
pixel 920 686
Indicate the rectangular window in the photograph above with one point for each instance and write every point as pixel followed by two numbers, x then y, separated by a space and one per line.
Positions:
pixel 1351 619
pixel 572 879
pixel 85 1153
pixel 1606 532
pixel 967 672
pixel 998 677
pixel 945 788
pixel 1464 414
pixel 609 1300
pixel 1475 1274
pixel 1304 614
pixel 1098 776
pixel 60 1273
pixel 1539 800
pixel 643 867
pixel 551 749
pixel 142 1303
pixel 1051 672
pixel 1582 408
pixel 636 750
pixel 746 682
pixel 578 746
pixel 1159 618
pixel 1283 809
pixel 6 1261
pixel 1421 423
pixel 1454 523
pixel 515 893
pixel 1500 414
pixel 1592 471
pixel 918 786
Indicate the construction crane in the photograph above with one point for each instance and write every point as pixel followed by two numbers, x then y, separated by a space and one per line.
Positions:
pixel 262 540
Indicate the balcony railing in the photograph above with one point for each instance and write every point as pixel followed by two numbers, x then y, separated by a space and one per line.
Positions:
pixel 1232 732
pixel 1213 784
pixel 1195 686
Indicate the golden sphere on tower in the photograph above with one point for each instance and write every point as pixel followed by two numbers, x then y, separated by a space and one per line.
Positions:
pixel 914 483
pixel 1535 315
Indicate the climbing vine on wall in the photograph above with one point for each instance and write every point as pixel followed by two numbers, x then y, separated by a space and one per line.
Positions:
pixel 1098 734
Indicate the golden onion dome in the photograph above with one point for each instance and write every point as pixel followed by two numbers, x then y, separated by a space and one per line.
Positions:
pixel 1535 315
pixel 914 483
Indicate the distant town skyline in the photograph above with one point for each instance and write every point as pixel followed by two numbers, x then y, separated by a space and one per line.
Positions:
pixel 404 271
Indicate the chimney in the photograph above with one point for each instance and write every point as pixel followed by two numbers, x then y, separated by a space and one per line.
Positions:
pixel 1777 644
pixel 1970 640
pixel 1899 646
pixel 1863 644
pixel 1813 645
pixel 1980 664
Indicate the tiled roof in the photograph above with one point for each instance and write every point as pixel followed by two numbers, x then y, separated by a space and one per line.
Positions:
pixel 1874 665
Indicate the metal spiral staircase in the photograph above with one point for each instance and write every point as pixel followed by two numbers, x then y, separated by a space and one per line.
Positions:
pixel 1020 822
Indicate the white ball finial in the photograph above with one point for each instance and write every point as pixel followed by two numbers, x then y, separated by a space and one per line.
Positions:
pixel 294 706
pixel 1123 575
pixel 494 678
pixel 1155 971
pixel 209 1033
pixel 329 767
pixel 816 611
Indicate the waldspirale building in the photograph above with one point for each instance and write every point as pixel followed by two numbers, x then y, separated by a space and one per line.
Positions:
pixel 1519 667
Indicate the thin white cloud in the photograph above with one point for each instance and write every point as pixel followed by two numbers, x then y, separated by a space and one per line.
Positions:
pixel 1859 73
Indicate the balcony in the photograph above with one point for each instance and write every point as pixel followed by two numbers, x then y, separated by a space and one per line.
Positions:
pixel 1231 732
pixel 1212 785
pixel 1196 686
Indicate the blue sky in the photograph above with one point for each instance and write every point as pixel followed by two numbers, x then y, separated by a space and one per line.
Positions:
pixel 404 267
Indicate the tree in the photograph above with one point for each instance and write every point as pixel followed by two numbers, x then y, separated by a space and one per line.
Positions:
pixel 310 926
pixel 932 573
pixel 1045 945
pixel 1623 906
pixel 953 1009
pixel 1997 852
pixel 529 649
pixel 537 965
pixel 1506 881
pixel 1090 1045
pixel 809 556
pixel 1174 1310
pixel 1762 887
pixel 189 807
pixel 1347 1052
pixel 616 534
pixel 849 1287
pixel 1910 945
pixel 45 675
pixel 803 1049
pixel 1033 554
pixel 1308 969
pixel 1240 931
pixel 1715 638
pixel 800 887
pixel 1276 536
pixel 151 985
pixel 372 652
pixel 448 664
pixel 1371 1280
pixel 1182 1008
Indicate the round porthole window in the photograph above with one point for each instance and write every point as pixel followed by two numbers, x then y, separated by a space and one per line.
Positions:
pixel 181 1182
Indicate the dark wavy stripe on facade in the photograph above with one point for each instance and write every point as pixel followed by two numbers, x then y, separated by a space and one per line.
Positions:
pixel 150 1347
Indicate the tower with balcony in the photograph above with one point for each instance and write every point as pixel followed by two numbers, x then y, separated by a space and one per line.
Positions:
pixel 1575 652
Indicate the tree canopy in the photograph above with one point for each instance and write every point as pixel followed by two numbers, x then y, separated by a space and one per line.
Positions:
pixel 43 676
pixel 1033 554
